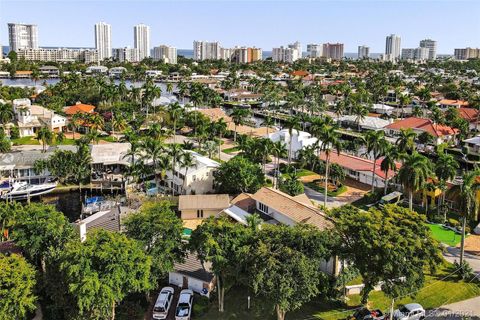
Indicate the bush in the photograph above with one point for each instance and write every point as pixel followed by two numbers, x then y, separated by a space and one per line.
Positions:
pixel 453 223
pixel 200 306
pixel 14 133
pixel 465 271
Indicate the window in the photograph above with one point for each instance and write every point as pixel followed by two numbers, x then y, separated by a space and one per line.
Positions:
pixel 262 207
pixel 199 213
pixel 194 178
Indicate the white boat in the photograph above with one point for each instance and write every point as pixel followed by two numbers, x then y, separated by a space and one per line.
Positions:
pixel 23 190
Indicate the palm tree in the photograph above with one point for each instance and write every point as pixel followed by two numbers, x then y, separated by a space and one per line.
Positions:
pixel 279 150
pixel 59 137
pixel 375 141
pixel 6 113
pixel 292 123
pixel 210 147
pixel 187 161
pixel 330 141
pixel 468 191
pixel 445 169
pixel 96 121
pixel 414 173
pixel 176 112
pixel 238 116
pixel 404 100
pixel 45 136
pixel 176 152
pixel 360 112
pixel 220 128
pixel 268 122
pixel 152 149
pixel 390 156
pixel 406 140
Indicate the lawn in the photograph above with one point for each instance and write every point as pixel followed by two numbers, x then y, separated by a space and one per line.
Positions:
pixel 315 186
pixel 303 173
pixel 435 293
pixel 25 141
pixel 231 150
pixel 445 235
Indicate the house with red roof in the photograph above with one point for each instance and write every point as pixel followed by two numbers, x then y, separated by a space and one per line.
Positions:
pixel 79 108
pixel 441 133
pixel 471 115
pixel 361 169
pixel 444 104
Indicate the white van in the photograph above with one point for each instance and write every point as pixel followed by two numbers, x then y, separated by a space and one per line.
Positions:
pixel 184 306
pixel 162 305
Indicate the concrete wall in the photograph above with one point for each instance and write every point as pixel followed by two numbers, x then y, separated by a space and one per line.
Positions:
pixel 192 214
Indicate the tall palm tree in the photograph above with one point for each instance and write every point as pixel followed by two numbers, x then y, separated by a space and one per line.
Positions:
pixel 220 128
pixel 446 168
pixel 279 150
pixel 176 112
pixel 238 116
pixel 176 152
pixel 468 191
pixel 6 113
pixel 406 140
pixel 375 141
pixel 292 123
pixel 404 100
pixel 152 150
pixel 268 122
pixel 390 156
pixel 187 161
pixel 414 173
pixel 360 112
pixel 45 136
pixel 329 140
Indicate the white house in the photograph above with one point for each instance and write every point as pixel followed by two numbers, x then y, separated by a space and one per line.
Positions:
pixel 382 108
pixel 197 179
pixel 117 72
pixel 300 140
pixel 194 275
pixel 367 123
pixel 30 118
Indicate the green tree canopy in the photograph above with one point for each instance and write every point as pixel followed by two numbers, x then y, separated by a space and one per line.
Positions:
pixel 17 282
pixel 391 244
pixel 239 175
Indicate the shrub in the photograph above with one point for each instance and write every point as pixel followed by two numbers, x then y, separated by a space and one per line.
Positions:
pixel 453 223
pixel 200 306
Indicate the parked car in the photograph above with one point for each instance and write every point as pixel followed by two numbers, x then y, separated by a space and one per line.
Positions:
pixel 411 311
pixel 184 306
pixel 365 314
pixel 162 305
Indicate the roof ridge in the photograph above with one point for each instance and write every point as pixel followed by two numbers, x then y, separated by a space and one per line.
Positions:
pixel 285 195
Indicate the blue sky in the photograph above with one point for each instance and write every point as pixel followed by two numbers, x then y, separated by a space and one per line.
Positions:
pixel 263 24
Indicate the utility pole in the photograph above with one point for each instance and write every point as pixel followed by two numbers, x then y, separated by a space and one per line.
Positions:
pixel 391 309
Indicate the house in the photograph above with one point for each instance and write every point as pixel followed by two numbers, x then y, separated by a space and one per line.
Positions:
pixel 361 169
pixel 79 108
pixel 96 70
pixel 108 220
pixel 444 104
pixel 367 123
pixel 30 118
pixel 22 74
pixel 202 205
pixel 471 115
pixel 194 180
pixel 472 145
pixel 109 162
pixel 300 140
pixel 194 275
pixel 382 109
pixel 49 71
pixel 441 133
pixel 117 72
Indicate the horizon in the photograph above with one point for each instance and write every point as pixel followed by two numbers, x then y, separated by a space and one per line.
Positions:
pixel 254 23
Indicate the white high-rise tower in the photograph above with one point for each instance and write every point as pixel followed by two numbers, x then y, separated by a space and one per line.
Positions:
pixel 431 45
pixel 393 47
pixel 141 40
pixel 22 36
pixel 103 40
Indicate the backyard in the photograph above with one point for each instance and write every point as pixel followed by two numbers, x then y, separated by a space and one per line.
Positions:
pixel 443 235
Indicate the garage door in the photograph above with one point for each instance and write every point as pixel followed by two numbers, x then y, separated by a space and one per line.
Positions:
pixel 175 279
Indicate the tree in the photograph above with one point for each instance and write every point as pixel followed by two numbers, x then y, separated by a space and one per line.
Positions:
pixel 426 138
pixel 238 117
pixel 389 161
pixel 41 231
pixel 375 241
pixel 414 173
pixel 160 231
pixel 102 270
pixel 291 184
pixel 330 141
pixel 283 265
pixel 468 191
pixel 6 113
pixel 292 124
pixel 445 169
pixel 45 136
pixel 187 161
pixel 406 140
pixel 239 175
pixel 152 149
pixel 17 284
pixel 375 141
pixel 217 241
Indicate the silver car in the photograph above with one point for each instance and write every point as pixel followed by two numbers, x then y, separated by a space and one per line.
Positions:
pixel 162 305
pixel 411 311
pixel 184 306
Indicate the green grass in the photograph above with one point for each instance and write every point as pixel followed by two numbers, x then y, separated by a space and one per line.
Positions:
pixel 302 173
pixel 25 141
pixel 108 139
pixel 231 150
pixel 316 187
pixel 435 293
pixel 444 235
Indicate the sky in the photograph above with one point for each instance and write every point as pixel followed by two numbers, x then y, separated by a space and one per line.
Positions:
pixel 261 23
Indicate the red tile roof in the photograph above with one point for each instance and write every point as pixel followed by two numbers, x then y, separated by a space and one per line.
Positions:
pixel 359 164
pixel 469 114
pixel 300 73
pixel 79 108
pixel 422 124
pixel 449 102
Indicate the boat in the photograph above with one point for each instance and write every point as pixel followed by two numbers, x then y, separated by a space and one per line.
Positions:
pixel 19 190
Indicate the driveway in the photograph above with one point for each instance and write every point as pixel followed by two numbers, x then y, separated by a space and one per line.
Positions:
pixel 453 253
pixel 466 309
pixel 318 198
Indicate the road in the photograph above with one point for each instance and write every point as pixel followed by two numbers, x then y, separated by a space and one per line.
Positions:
pixel 453 254
pixel 319 198
pixel 466 309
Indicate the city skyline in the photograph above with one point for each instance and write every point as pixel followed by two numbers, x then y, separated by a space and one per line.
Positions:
pixel 316 25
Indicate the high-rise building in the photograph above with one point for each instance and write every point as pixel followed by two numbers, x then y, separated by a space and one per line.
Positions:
pixel 22 36
pixel 333 51
pixel 165 53
pixel 59 55
pixel 103 40
pixel 126 54
pixel 141 40
pixel 246 54
pixel 467 53
pixel 392 47
pixel 204 50
pixel 363 52
pixel 283 54
pixel 431 45
pixel 419 54
pixel 314 50
pixel 297 46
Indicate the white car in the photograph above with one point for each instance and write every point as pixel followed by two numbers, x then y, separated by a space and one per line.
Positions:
pixel 184 306
pixel 411 311
pixel 162 305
